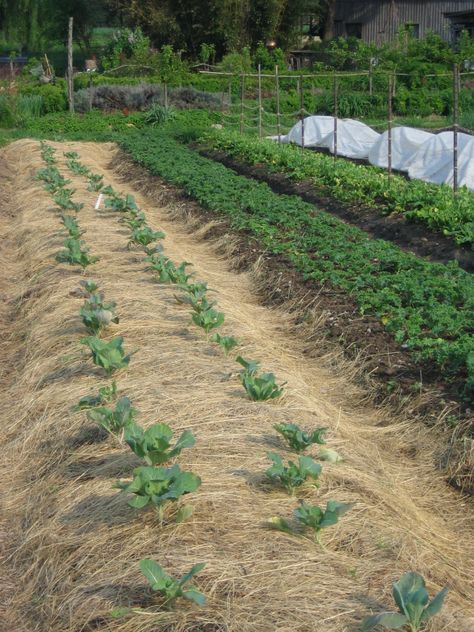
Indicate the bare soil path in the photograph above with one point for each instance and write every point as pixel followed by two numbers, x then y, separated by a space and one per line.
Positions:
pixel 71 545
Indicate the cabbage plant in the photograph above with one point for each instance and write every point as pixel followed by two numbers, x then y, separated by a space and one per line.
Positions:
pixel 97 314
pixel 209 319
pixel 96 182
pixel 154 444
pixel 76 253
pixel 105 395
pixel 114 420
pixel 72 226
pixel 108 355
pixel 294 474
pixel 297 439
pixel 157 486
pixel 144 235
pixel 226 342
pixel 415 607
pixel 258 387
pixel 171 589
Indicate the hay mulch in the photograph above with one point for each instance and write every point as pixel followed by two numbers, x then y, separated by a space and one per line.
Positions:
pixel 70 543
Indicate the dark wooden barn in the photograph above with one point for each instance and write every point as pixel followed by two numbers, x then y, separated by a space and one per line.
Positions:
pixel 377 21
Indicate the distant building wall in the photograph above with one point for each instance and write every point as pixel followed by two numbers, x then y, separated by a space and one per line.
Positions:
pixel 377 21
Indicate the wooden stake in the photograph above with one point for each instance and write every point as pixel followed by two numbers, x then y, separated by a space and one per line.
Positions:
pixel 455 125
pixel 70 71
pixel 301 86
pixel 242 89
pixel 336 112
pixel 389 126
pixel 277 96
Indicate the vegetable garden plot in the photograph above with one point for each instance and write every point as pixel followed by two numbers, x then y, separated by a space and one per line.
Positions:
pixel 75 534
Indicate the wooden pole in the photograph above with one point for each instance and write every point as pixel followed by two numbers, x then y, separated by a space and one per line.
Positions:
pixel 336 112
pixel 389 126
pixel 301 86
pixel 70 76
pixel 455 125
pixel 259 101
pixel 242 89
pixel 277 96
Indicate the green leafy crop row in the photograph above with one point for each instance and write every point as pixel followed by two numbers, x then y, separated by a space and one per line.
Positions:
pixel 435 205
pixel 427 307
pixel 156 485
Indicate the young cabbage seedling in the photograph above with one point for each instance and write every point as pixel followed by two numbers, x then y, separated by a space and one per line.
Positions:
pixel 71 155
pixel 154 444
pixel 77 168
pixel 315 518
pixel 89 287
pixel 209 319
pixel 108 355
pixel 63 199
pixel 297 439
pixel 413 602
pixel 72 226
pixel 97 315
pixel 294 474
pixel 200 305
pixel 157 486
pixel 114 420
pixel 143 236
pixel 105 395
pixel 96 182
pixel 171 589
pixel 76 253
pixel 226 342
pixel 258 388
pixel 119 204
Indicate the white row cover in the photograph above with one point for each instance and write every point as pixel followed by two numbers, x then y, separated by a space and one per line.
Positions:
pixel 422 155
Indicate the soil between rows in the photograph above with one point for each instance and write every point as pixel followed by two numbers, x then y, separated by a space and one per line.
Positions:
pixel 73 541
pixel 410 236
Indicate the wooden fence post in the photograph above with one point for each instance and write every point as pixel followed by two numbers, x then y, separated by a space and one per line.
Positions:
pixel 455 125
pixel 301 86
pixel 242 89
pixel 336 112
pixel 70 71
pixel 277 96
pixel 389 126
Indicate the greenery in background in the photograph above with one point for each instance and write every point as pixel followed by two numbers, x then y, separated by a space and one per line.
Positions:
pixel 427 307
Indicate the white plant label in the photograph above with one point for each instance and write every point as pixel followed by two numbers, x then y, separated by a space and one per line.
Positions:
pixel 99 202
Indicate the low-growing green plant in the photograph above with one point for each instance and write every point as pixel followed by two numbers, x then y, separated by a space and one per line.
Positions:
pixel 135 220
pixel 144 235
pixel 297 439
pixel 413 602
pixel 97 315
pixel 226 342
pixel 200 305
pixel 89 287
pixel 157 486
pixel 63 198
pixel 120 204
pixel 167 271
pixel 193 292
pixel 114 420
pixel 258 387
pixel 96 182
pixel 77 168
pixel 105 395
pixel 53 180
pixel 71 155
pixel 108 355
pixel 76 253
pixel 315 518
pixel 208 320
pixel 294 474
pixel 158 114
pixel 72 226
pixel 154 444
pixel 171 589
